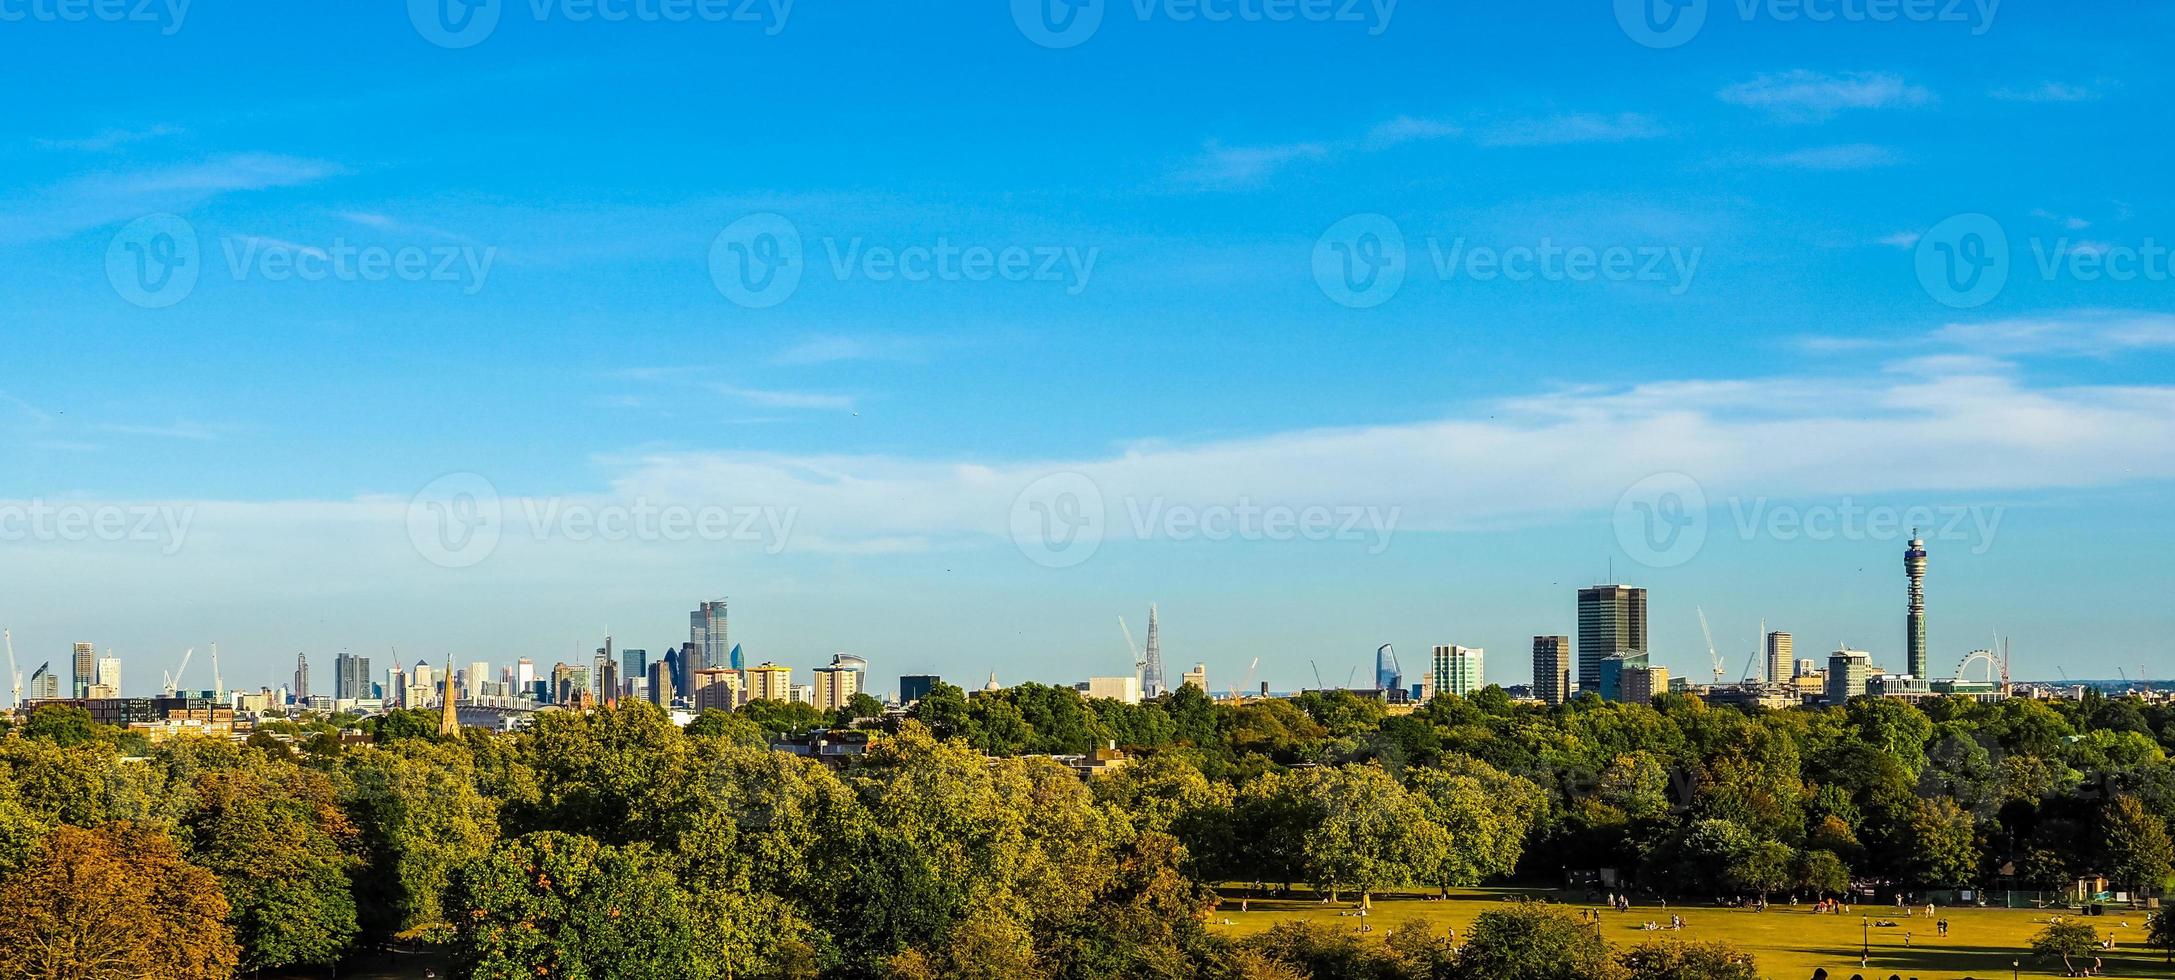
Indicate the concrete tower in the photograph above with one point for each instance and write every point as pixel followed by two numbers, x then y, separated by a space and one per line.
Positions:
pixel 1914 566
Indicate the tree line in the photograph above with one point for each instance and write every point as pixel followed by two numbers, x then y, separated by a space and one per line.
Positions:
pixel 617 844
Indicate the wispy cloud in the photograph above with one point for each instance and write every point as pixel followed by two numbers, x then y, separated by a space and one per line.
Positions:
pixel 182 429
pixel 1849 156
pixel 768 398
pixel 1220 167
pixel 2069 221
pixel 2092 333
pixel 831 350
pixel 110 139
pixel 1902 239
pixel 1808 96
pixel 100 199
pixel 1411 129
pixel 391 225
pixel 2054 92
pixel 1574 128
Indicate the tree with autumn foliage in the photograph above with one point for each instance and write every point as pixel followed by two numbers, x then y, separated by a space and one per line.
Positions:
pixel 114 902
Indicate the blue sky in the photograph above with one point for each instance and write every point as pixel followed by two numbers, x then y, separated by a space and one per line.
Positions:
pixel 1777 190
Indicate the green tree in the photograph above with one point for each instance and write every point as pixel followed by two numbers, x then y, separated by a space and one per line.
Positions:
pixel 2160 933
pixel 943 711
pixel 2135 842
pixel 419 814
pixel 403 723
pixel 1373 833
pixel 61 724
pixel 1688 961
pixel 2065 939
pixel 283 851
pixel 562 905
pixel 1528 941
pixel 1822 873
pixel 1486 813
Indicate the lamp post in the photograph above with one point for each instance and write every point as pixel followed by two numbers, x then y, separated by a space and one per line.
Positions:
pixel 1865 938
pixel 2015 969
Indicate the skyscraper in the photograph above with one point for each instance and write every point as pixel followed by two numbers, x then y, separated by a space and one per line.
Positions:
pixel 86 668
pixel 1611 623
pixel 1552 669
pixel 634 665
pixel 1848 673
pixel 350 676
pixel 1458 670
pixel 108 682
pixel 660 684
pixel 302 677
pixel 1914 567
pixel 44 684
pixel 1151 672
pixel 838 683
pixel 1781 663
pixel 707 633
pixel 1387 676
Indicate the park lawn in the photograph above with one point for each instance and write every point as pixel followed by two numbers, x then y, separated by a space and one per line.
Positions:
pixel 1787 943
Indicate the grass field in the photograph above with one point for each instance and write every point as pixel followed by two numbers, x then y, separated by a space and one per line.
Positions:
pixel 1787 943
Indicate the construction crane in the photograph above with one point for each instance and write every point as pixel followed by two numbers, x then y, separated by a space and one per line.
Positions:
pixel 1712 654
pixel 1318 685
pixel 219 686
pixel 15 677
pixel 173 680
pixel 1349 676
pixel 1238 691
pixel 1140 659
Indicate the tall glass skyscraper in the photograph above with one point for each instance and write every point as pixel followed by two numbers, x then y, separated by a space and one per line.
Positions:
pixel 1611 623
pixel 706 631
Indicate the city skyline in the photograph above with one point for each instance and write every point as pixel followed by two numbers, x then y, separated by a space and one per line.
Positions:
pixel 1732 298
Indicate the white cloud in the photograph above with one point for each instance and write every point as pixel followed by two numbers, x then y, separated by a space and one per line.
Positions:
pixel 831 350
pixel 1222 167
pixel 1902 239
pixel 787 399
pixel 1408 129
pixel 1574 128
pixel 99 199
pixel 1810 96
pixel 2095 333
pixel 1849 156
pixel 2053 92
pixel 110 139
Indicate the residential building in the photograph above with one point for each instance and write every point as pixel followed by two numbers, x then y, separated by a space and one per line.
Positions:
pixel 1641 684
pixel 1614 673
pixel 107 683
pixel 838 682
pixel 44 684
pixel 1126 689
pixel 716 687
pixel 1458 670
pixel 86 669
pixel 350 676
pixel 1552 669
pixel 302 678
pixel 1611 623
pixel 770 682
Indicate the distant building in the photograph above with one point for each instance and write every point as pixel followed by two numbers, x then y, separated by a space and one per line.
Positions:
pixel 86 669
pixel 1388 676
pixel 660 684
pixel 1126 689
pixel 1459 670
pixel 838 682
pixel 44 684
pixel 1914 570
pixel 1552 670
pixel 1198 677
pixel 1640 685
pixel 716 687
pixel 1849 674
pixel 107 684
pixel 634 666
pixel 1611 623
pixel 914 687
pixel 350 676
pixel 1781 666
pixel 1614 685
pixel 708 635
pixel 1808 668
pixel 302 678
pixel 770 682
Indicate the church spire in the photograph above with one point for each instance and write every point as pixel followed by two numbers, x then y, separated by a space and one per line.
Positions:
pixel 448 722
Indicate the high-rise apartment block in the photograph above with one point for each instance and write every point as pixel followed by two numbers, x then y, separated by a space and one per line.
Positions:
pixel 1552 670
pixel 1458 670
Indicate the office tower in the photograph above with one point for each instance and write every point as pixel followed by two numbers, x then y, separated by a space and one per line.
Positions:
pixel 660 684
pixel 914 687
pixel 1198 677
pixel 44 684
pixel 1639 685
pixel 350 676
pixel 302 677
pixel 1552 669
pixel 1151 671
pixel 738 660
pixel 396 686
pixel 1387 675
pixel 108 682
pixel 524 675
pixel 707 633
pixel 634 665
pixel 1611 623
pixel 1807 668
pixel 1617 681
pixel 1458 670
pixel 1914 568
pixel 837 683
pixel 1781 662
pixel 86 669
pixel 770 682
pixel 688 662
pixel 1848 673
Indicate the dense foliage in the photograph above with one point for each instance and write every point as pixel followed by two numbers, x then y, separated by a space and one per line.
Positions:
pixel 616 844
